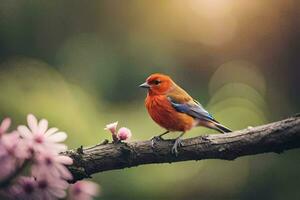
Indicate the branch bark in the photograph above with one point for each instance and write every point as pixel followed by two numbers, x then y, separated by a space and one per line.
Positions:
pixel 275 137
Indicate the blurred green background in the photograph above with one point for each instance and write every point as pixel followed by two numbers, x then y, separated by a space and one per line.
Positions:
pixel 78 64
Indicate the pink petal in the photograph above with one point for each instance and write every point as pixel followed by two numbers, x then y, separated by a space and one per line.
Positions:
pixel 43 125
pixel 36 170
pixel 55 172
pixel 51 131
pixel 64 172
pixel 45 195
pixel 90 188
pixel 24 132
pixel 11 140
pixel 57 193
pixel 54 147
pixel 64 160
pixel 112 127
pixel 82 196
pixel 124 134
pixel 5 125
pixel 32 123
pixel 57 137
pixel 61 184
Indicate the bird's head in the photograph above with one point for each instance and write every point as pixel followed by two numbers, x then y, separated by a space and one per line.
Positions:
pixel 158 84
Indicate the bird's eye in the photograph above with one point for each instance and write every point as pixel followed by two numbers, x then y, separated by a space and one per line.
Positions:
pixel 156 82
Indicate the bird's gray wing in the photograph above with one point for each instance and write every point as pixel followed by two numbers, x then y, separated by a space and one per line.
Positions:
pixel 192 108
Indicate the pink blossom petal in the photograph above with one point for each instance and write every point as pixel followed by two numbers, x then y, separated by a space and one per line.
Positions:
pixel 43 125
pixel 112 127
pixel 83 190
pixel 58 147
pixel 58 193
pixel 58 137
pixel 11 140
pixel 24 132
pixel 46 195
pixel 64 172
pixel 91 188
pixel 64 160
pixel 51 131
pixel 124 134
pixel 60 184
pixel 5 125
pixel 32 123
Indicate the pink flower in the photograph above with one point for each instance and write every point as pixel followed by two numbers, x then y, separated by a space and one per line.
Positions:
pixel 13 145
pixel 48 164
pixel 83 190
pixel 124 134
pixel 25 188
pixel 43 188
pixel 34 189
pixel 51 188
pixel 112 127
pixel 8 165
pixel 4 126
pixel 40 139
pixel 12 154
pixel 41 146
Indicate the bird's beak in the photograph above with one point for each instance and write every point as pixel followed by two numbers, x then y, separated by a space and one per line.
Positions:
pixel 144 85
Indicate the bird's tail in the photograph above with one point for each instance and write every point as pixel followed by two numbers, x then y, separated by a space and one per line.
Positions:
pixel 213 124
pixel 223 129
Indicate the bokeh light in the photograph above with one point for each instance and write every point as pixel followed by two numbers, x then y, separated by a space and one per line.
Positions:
pixel 210 22
pixel 39 89
pixel 237 91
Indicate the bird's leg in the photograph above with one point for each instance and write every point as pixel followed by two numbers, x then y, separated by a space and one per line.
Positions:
pixel 159 137
pixel 178 143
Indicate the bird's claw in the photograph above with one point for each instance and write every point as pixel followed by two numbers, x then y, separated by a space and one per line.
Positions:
pixel 155 139
pixel 178 143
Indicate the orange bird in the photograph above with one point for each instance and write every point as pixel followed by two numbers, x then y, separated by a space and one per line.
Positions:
pixel 174 109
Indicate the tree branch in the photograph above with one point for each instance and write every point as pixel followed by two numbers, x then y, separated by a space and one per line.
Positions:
pixel 275 137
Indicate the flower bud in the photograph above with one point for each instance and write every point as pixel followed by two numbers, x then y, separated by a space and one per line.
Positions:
pixel 124 134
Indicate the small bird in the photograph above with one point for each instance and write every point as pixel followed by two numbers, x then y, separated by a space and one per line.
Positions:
pixel 174 109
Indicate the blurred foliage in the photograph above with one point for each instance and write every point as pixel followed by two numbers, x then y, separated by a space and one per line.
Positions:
pixel 79 63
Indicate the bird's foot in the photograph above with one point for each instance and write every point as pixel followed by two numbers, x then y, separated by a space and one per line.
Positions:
pixel 177 144
pixel 156 139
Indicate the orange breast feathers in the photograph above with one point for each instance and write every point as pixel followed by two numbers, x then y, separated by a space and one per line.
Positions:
pixel 164 114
